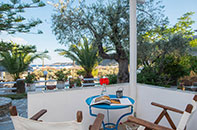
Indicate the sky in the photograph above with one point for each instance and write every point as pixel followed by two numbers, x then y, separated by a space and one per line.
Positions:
pixel 47 41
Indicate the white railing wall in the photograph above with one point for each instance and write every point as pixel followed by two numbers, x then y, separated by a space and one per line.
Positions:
pixel 36 82
pixel 41 83
pixel 62 105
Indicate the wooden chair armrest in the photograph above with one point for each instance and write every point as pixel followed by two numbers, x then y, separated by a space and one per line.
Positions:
pixel 79 116
pixel 147 124
pixel 97 122
pixel 167 107
pixel 39 114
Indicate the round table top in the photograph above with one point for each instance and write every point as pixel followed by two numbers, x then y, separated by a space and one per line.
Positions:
pixel 105 106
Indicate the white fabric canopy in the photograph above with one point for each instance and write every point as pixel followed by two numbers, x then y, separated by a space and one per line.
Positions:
pixel 21 123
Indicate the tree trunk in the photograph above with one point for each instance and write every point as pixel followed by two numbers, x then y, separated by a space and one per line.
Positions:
pixel 20 86
pixel 121 57
pixel 123 74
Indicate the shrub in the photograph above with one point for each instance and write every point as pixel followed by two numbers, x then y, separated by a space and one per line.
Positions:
pixel 176 67
pixel 112 78
pixel 149 76
pixel 81 72
pixel 73 81
pixel 165 71
pixel 30 78
pixel 61 75
pixel 193 63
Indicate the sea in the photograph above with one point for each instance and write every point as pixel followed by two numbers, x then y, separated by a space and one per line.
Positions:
pixel 52 66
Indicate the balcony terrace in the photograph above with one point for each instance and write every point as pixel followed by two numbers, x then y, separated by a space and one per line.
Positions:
pixel 63 104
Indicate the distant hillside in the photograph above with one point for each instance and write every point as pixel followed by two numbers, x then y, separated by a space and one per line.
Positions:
pixel 107 62
pixel 64 63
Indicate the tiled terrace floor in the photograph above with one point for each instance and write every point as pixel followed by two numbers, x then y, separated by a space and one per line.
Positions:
pixel 127 126
pixel 21 105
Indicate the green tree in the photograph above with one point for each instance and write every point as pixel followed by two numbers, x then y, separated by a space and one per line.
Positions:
pixel 164 52
pixel 193 63
pixel 106 23
pixel 84 54
pixel 164 40
pixel 17 59
pixel 11 19
pixel 5 46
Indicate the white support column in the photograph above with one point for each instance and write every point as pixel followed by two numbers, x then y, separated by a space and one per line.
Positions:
pixel 133 52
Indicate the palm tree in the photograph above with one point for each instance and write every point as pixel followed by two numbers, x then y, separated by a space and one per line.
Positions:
pixel 44 56
pixel 17 59
pixel 84 54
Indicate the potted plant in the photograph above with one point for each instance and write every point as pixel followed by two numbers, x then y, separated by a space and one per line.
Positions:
pixel 61 77
pixel 74 82
pixel 29 80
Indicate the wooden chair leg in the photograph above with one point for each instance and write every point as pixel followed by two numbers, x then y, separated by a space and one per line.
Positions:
pixel 165 113
pixel 170 121
pixel 160 117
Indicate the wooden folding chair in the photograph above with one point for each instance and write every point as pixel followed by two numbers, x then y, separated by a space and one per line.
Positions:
pixel 145 125
pixel 33 123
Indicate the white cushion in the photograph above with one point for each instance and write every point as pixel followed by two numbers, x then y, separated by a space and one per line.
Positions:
pixel 194 104
pixel 21 123
pixel 141 128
